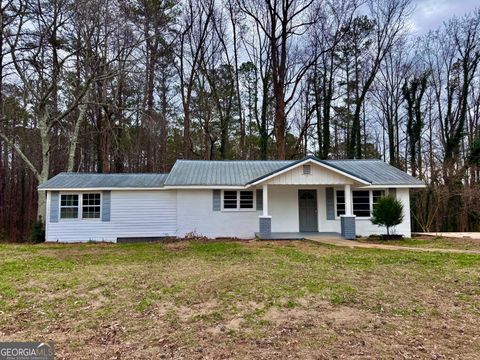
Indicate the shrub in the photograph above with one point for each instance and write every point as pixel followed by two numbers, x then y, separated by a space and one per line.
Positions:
pixel 38 232
pixel 387 212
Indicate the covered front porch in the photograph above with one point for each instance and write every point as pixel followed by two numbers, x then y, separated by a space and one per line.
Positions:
pixel 302 211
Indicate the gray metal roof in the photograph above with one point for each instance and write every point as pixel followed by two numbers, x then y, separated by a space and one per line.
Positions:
pixel 227 173
pixel 376 172
pixel 104 181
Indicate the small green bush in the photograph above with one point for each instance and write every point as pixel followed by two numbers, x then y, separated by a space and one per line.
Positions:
pixel 38 232
pixel 387 212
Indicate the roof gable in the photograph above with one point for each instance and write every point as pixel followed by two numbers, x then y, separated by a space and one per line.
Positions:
pixel 323 174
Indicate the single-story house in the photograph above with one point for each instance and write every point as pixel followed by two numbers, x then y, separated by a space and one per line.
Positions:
pixel 216 199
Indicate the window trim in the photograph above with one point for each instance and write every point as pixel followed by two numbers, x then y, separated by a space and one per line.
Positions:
pixel 335 203
pixel 238 209
pixel 80 206
pixel 370 196
pixel 99 206
pixel 68 207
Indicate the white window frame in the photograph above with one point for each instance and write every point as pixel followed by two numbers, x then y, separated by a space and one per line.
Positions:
pixel 100 206
pixel 80 206
pixel 370 195
pixel 237 209
pixel 335 201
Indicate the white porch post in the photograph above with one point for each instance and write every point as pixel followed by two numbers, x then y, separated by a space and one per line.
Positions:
pixel 348 199
pixel 265 200
pixel 347 221
pixel 265 220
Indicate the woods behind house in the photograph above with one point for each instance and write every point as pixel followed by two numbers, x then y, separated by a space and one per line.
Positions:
pixel 130 86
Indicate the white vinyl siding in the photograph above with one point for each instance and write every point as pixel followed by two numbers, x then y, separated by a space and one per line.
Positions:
pixel 135 213
pixel 195 215
pixel 156 213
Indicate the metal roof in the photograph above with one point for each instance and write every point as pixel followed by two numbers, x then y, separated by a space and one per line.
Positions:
pixel 228 173
pixel 225 173
pixel 103 181
pixel 376 172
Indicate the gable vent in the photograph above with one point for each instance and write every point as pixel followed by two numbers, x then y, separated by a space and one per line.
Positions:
pixel 307 169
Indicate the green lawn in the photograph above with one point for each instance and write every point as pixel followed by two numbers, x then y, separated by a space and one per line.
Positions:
pixel 240 300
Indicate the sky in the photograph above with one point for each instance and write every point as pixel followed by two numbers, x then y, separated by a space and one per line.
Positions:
pixel 430 14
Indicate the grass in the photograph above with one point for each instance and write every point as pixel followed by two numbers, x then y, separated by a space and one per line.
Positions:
pixel 240 300
pixel 437 242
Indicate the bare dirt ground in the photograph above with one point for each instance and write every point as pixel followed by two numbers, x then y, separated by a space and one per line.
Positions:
pixel 240 300
pixel 427 242
pixel 453 246
pixel 451 235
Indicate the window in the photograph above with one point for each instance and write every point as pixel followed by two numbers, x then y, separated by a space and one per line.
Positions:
pixel 361 203
pixel 229 199
pixel 246 199
pixel 238 200
pixel 340 202
pixel 69 206
pixel 91 206
pixel 376 195
pixel 307 170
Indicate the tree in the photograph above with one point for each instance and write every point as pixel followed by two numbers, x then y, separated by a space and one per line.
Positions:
pixel 413 91
pixel 387 212
pixel 381 31
pixel 282 22
pixel 194 32
pixel 40 54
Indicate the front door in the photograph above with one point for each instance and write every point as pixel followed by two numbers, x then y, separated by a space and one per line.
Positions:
pixel 307 208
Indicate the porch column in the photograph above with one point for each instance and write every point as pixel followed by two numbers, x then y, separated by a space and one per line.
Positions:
pixel 348 200
pixel 265 220
pixel 265 200
pixel 347 221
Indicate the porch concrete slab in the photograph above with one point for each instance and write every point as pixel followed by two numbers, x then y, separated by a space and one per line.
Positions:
pixel 356 244
pixel 300 235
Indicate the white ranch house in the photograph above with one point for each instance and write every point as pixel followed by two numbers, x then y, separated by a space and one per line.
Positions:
pixel 219 199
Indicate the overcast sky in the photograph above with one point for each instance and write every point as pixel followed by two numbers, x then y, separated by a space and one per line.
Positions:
pixel 430 14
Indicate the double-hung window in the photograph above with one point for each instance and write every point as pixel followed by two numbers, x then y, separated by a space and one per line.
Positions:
pixel 238 200
pixel 69 206
pixel 91 206
pixel 83 206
